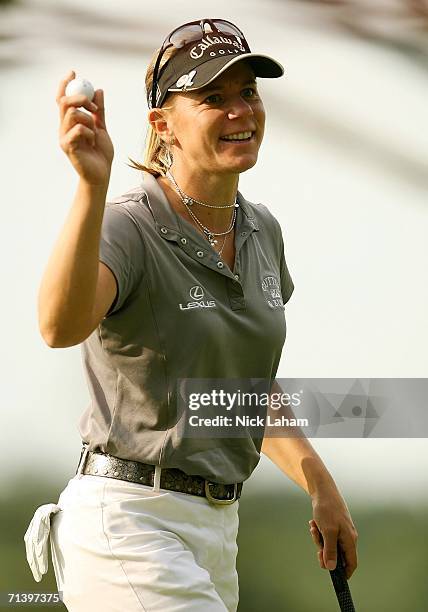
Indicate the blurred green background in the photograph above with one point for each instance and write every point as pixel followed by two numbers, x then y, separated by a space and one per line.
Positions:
pixel 277 564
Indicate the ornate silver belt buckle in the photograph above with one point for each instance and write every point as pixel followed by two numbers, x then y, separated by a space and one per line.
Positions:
pixel 215 500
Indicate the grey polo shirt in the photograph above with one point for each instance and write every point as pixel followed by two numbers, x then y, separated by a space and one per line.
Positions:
pixel 180 313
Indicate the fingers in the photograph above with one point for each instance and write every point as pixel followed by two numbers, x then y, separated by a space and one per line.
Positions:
pixel 315 534
pixel 100 113
pixel 327 557
pixel 321 560
pixel 76 101
pixel 72 117
pixel 330 548
pixel 327 545
pixel 76 126
pixel 317 539
pixel 72 140
pixel 348 546
pixel 63 84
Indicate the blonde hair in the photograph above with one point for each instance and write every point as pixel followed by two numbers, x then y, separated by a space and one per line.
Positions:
pixel 155 154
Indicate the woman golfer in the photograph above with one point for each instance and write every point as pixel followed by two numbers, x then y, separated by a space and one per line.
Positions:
pixel 180 279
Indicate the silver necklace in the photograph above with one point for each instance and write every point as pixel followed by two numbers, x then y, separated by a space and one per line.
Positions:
pixel 208 233
pixel 222 246
pixel 189 200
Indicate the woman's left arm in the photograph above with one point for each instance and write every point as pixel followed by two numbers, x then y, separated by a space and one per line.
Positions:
pixel 297 458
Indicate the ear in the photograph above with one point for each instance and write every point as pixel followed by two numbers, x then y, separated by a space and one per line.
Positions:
pixel 159 122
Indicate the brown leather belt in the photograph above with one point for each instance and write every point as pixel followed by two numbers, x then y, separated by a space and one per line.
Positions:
pixel 97 463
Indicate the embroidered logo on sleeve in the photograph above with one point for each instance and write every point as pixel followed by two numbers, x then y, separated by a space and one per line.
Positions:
pixel 272 291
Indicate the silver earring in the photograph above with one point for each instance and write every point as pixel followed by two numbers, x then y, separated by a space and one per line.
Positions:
pixel 169 157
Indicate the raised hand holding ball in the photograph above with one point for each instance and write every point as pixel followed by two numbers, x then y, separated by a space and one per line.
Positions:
pixel 83 133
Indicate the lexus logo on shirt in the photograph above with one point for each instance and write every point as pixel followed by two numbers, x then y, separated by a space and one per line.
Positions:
pixel 197 294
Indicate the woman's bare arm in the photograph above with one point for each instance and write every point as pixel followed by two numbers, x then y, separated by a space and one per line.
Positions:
pixel 296 457
pixel 76 289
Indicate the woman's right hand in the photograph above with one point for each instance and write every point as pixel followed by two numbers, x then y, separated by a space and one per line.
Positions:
pixel 83 137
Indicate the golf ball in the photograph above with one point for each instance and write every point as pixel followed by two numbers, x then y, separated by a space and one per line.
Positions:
pixel 80 86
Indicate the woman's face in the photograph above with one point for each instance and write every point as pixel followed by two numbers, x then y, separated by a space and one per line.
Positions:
pixel 200 119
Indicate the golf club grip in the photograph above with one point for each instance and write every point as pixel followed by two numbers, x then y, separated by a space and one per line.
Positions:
pixel 340 583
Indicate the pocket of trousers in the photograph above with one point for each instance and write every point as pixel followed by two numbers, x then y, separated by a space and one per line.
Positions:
pixel 130 509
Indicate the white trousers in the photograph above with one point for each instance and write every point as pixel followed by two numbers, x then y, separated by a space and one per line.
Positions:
pixel 119 546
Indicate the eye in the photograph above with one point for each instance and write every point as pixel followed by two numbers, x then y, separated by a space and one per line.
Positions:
pixel 248 92
pixel 253 92
pixel 210 99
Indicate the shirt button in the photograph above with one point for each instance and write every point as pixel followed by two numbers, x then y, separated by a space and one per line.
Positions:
pixel 220 264
pixel 243 233
pixel 200 253
pixel 183 240
pixel 236 276
pixel 164 230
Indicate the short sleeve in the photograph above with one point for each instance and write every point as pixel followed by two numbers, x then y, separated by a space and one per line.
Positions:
pixel 122 250
pixel 287 285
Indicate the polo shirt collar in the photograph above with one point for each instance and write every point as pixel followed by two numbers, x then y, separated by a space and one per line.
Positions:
pixel 165 216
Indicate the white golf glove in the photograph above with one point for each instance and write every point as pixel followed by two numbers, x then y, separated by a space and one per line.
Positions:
pixel 36 539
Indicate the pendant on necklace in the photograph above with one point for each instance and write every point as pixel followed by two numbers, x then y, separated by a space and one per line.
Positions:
pixel 188 201
pixel 210 237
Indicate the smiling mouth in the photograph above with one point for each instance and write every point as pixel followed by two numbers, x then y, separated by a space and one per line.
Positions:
pixel 243 137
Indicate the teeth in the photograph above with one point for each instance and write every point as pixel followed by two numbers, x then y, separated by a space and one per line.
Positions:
pixel 239 136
